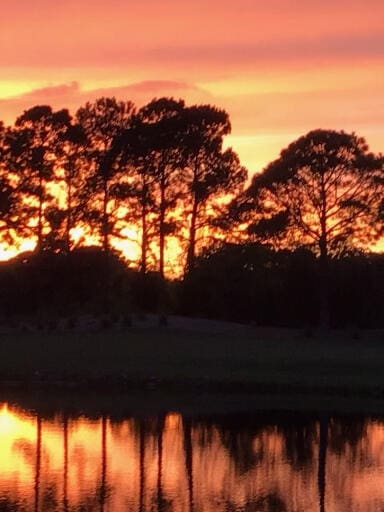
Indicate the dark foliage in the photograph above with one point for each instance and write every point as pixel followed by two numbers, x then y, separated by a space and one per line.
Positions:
pixel 323 192
pixel 254 283
pixel 162 173
pixel 49 286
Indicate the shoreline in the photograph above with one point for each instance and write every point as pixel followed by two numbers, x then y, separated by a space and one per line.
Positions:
pixel 194 399
pixel 215 360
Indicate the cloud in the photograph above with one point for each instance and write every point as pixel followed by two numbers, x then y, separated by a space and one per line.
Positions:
pixel 262 122
pixel 233 54
pixel 53 91
pixel 310 50
pixel 151 87
pixel 72 96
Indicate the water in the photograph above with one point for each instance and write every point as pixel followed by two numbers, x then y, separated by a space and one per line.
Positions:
pixel 244 463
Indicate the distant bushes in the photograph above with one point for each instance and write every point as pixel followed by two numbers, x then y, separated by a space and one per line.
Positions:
pixel 247 283
pixel 252 283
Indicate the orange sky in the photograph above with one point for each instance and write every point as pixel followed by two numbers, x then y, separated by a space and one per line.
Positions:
pixel 280 68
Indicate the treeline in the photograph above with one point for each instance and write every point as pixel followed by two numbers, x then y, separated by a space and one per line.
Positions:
pixel 160 170
pixel 324 193
pixel 247 283
pixel 162 174
pixel 253 283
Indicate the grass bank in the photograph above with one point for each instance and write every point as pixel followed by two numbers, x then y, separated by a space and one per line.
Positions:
pixel 231 359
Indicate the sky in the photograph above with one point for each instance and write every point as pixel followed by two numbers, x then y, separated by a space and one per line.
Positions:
pixel 279 67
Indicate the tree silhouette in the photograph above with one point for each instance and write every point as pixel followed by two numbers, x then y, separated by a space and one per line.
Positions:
pixel 321 192
pixel 161 118
pixel 136 189
pixel 9 198
pixel 210 172
pixel 101 122
pixel 70 177
pixel 33 145
pixel 163 173
pixel 177 159
pixel 7 504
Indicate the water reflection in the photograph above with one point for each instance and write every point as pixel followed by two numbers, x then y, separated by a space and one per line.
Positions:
pixel 182 464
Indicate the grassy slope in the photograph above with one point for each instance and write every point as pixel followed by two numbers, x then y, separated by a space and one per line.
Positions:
pixel 284 359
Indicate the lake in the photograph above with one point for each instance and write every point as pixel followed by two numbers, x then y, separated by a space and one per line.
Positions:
pixel 254 462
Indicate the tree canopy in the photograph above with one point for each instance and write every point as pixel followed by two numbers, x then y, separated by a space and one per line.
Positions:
pixel 323 192
pixel 158 183
pixel 111 169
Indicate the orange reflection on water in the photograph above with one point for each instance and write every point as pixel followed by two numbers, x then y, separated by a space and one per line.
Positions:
pixel 17 437
pixel 173 463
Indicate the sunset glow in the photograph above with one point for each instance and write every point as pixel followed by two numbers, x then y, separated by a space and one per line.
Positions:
pixel 279 68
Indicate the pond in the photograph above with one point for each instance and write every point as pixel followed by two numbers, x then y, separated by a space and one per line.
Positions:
pixel 259 462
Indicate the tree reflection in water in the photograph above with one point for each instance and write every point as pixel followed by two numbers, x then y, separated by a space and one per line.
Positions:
pixel 9 505
pixel 269 503
pixel 188 450
pixel 169 463
pixel 323 445
pixel 103 490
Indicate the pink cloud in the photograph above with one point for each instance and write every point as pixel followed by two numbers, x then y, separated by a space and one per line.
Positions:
pixel 71 95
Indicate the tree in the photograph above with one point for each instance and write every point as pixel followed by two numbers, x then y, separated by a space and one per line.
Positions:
pixel 8 193
pixel 178 164
pixel 160 118
pixel 136 189
pixel 101 122
pixel 70 177
pixel 33 147
pixel 210 172
pixel 321 192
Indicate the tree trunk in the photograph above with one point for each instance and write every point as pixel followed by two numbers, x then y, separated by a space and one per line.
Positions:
pixel 162 225
pixel 324 286
pixel 106 248
pixel 163 291
pixel 69 218
pixel 105 223
pixel 144 234
pixel 324 261
pixel 192 236
pixel 40 216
